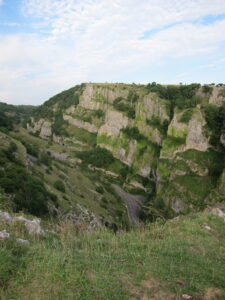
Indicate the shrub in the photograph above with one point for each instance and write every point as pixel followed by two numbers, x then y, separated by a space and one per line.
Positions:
pixel 59 185
pixel 207 89
pixel 98 157
pixel 58 125
pixel 182 96
pixel 186 116
pixel 133 133
pixel 99 113
pixel 31 149
pixel 124 172
pixel 46 159
pixel 215 118
pixel 99 189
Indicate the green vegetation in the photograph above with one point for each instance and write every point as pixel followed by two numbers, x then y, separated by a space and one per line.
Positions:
pixel 186 116
pixel 45 158
pixel 121 104
pixel 133 133
pixel 58 127
pixel 28 193
pixel 222 92
pixel 82 135
pixel 215 117
pixel 173 142
pixel 156 122
pixel 59 185
pixel 211 160
pixel 183 96
pixel 5 122
pixel 98 157
pixel 14 114
pixel 162 261
pixel 207 89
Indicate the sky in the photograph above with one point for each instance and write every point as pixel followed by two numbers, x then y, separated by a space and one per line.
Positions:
pixel 47 46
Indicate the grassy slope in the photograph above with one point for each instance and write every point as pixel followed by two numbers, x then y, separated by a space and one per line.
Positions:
pixel 80 183
pixel 160 262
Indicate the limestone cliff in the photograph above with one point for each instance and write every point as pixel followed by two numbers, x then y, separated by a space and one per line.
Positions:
pixel 160 135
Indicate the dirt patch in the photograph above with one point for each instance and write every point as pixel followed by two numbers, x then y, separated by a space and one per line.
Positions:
pixel 213 294
pixel 149 289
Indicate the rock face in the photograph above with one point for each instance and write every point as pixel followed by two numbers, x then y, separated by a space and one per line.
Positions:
pixel 42 126
pixel 185 163
pixel 33 227
pixel 80 124
pixel 114 122
pixel 166 146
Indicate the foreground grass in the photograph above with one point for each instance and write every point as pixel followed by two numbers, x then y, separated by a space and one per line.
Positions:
pixel 158 262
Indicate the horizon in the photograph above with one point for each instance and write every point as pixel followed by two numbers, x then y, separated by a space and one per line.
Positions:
pixel 49 46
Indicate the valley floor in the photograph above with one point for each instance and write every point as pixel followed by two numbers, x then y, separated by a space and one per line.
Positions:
pixel 179 259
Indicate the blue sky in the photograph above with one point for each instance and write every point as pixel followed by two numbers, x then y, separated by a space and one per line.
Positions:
pixel 50 45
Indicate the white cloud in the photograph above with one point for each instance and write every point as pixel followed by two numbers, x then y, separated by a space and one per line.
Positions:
pixel 10 24
pixel 99 40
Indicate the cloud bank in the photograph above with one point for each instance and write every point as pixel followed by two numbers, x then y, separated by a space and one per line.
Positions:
pixel 97 40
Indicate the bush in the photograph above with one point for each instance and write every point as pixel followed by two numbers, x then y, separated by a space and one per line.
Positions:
pixel 31 149
pixel 133 133
pixel 99 113
pixel 124 172
pixel 59 185
pixel 215 118
pixel 29 192
pixel 58 125
pixel 99 189
pixel 98 157
pixel 182 96
pixel 186 116
pixel 207 89
pixel 120 104
pixel 46 159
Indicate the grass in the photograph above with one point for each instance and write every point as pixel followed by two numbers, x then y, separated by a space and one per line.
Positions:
pixel 158 262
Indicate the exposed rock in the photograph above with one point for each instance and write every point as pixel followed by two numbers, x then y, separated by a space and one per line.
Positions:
pixel 80 124
pixel 186 297
pixel 33 227
pixel 191 132
pixel 97 97
pixel 208 228
pixel 177 205
pixel 195 138
pixel 58 155
pixel 114 122
pixel 21 241
pixel 216 98
pixel 4 235
pixel 46 129
pixel 42 126
pixel 218 212
pixel 4 216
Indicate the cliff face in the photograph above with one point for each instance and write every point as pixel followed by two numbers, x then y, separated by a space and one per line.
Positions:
pixel 159 147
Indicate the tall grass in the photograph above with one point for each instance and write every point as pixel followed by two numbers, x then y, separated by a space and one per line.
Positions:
pixel 156 262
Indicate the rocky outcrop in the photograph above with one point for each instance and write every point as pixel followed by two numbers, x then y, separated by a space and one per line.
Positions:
pixel 99 96
pixel 81 124
pixel 33 227
pixel 217 97
pixel 114 122
pixel 183 176
pixel 42 126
